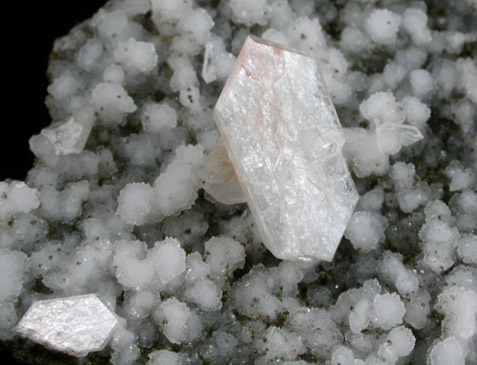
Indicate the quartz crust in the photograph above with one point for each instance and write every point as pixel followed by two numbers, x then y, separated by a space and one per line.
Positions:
pixel 74 325
pixel 284 139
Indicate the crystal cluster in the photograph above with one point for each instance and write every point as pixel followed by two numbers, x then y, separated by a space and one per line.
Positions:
pixel 284 139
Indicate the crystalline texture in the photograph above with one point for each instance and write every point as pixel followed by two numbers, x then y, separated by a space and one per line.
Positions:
pixel 75 325
pixel 284 139
pixel 67 137
pixel 219 177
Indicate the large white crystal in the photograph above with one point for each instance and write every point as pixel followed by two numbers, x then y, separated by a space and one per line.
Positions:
pixel 75 325
pixel 284 139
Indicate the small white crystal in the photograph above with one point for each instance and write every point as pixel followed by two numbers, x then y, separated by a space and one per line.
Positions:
pixel 392 136
pixel 284 140
pixel 75 325
pixel 67 137
pixel 209 72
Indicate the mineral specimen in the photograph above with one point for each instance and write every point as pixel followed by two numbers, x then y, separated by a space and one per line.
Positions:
pixel 126 218
pixel 74 325
pixel 284 139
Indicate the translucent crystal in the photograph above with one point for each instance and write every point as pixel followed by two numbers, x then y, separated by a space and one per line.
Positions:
pixel 219 177
pixel 392 136
pixel 209 72
pixel 284 139
pixel 67 137
pixel 75 325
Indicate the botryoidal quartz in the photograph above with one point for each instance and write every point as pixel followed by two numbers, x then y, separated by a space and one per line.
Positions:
pixel 284 139
pixel 75 325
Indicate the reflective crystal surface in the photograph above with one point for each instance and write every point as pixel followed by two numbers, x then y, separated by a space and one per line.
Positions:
pixel 75 325
pixel 392 136
pixel 219 177
pixel 284 139
pixel 67 137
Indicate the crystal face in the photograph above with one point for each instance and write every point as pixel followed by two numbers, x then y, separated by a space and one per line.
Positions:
pixel 219 177
pixel 75 325
pixel 67 137
pixel 284 139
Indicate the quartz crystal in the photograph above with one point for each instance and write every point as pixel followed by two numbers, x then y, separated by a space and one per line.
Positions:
pixel 284 140
pixel 74 325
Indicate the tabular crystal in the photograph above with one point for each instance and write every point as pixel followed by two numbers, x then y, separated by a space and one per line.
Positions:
pixel 67 137
pixel 284 139
pixel 75 325
pixel 219 177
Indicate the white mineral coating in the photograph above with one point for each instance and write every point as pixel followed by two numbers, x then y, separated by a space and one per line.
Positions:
pixel 172 316
pixel 281 345
pixel 112 103
pixel 284 139
pixel 388 311
pixel 74 325
pixel 399 343
pixel 157 117
pixel 205 294
pixel 344 355
pixel 468 248
pixel 13 265
pixel 382 25
pixel 67 137
pixel 136 57
pixel 394 271
pixel 366 230
pixel 422 83
pixel 16 197
pixel 459 305
pixel 418 309
pixel 164 357
pixel 415 23
pixel 447 351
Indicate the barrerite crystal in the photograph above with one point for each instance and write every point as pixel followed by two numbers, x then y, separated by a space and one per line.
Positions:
pixel 67 137
pixel 74 325
pixel 284 140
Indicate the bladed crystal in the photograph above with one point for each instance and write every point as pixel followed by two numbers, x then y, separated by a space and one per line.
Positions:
pixel 74 325
pixel 284 140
